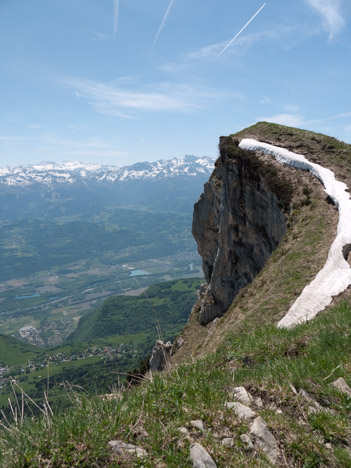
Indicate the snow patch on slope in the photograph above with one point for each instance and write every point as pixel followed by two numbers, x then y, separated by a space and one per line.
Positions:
pixel 335 276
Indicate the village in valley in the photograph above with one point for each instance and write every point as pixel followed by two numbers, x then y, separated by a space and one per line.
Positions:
pixel 45 364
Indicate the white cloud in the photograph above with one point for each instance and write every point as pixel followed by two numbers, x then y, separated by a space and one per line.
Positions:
pixel 12 138
pixel 291 120
pixel 210 53
pixel 50 146
pixel 78 148
pixel 109 99
pixel 76 128
pixel 291 108
pixel 330 11
pixel 97 36
pixel 112 99
pixel 240 45
pixel 297 120
pixel 341 116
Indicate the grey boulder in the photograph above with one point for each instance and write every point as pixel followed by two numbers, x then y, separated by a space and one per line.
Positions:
pixel 200 457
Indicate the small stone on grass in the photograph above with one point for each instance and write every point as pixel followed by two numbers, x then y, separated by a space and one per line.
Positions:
pixel 259 402
pixel 244 412
pixel 198 424
pixel 228 442
pixel 342 386
pixel 248 445
pixel 121 448
pixel 240 394
pixel 264 439
pixel 184 431
pixel 200 457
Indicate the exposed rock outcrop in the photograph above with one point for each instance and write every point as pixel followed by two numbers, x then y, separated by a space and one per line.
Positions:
pixel 238 222
pixel 160 355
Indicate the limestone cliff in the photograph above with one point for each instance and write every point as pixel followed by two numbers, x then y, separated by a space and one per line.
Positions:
pixel 238 222
pixel 263 231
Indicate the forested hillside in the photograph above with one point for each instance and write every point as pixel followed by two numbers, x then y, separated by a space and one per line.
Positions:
pixel 164 305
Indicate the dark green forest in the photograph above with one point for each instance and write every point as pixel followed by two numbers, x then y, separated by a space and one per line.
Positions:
pixel 166 305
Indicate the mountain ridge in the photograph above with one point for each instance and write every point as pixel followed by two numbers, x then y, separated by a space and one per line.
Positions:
pixel 74 189
pixel 311 219
pixel 47 173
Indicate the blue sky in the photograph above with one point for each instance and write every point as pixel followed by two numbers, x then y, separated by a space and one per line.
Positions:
pixel 120 81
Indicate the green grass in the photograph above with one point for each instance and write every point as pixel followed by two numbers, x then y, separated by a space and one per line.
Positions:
pixel 14 352
pixel 308 357
pixel 29 382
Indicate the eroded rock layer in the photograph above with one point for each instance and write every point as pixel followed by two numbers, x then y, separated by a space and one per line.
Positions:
pixel 238 222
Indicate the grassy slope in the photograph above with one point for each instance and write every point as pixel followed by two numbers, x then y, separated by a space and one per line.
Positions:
pixel 308 357
pixel 14 352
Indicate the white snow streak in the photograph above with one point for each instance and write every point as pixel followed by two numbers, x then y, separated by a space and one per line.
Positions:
pixel 335 276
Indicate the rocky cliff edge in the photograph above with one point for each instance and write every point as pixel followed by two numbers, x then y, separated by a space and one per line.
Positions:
pixel 263 231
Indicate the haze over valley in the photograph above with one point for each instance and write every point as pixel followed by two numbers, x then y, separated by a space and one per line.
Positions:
pixel 74 234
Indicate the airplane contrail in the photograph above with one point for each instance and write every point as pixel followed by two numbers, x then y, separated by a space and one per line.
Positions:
pixel 162 24
pixel 115 16
pixel 241 30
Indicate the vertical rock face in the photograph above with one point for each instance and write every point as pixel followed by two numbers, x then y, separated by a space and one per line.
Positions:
pixel 237 223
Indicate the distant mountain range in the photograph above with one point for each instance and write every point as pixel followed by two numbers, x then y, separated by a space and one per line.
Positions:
pixel 48 190
pixel 49 173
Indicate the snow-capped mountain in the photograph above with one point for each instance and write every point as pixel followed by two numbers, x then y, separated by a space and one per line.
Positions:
pixel 49 190
pixel 49 173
